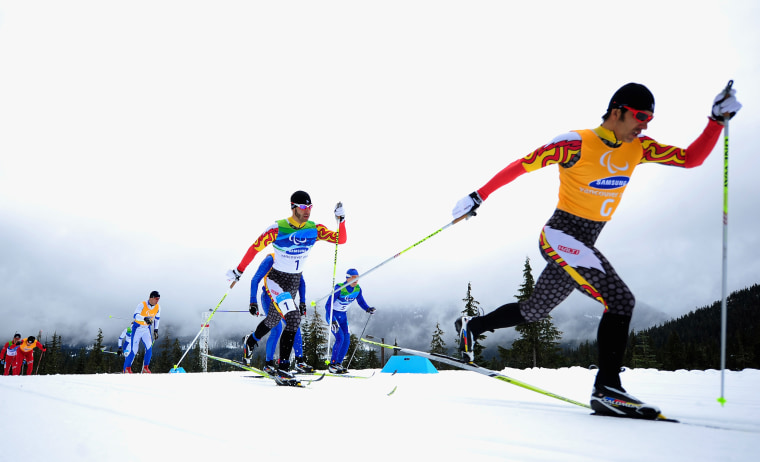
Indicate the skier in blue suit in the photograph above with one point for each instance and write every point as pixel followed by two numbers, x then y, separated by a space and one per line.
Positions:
pixel 274 334
pixel 342 299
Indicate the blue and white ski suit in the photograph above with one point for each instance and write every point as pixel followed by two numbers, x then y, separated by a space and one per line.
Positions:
pixel 342 299
pixel 142 332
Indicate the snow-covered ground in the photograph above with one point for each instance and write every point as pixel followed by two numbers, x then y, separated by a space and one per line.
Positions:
pixel 451 415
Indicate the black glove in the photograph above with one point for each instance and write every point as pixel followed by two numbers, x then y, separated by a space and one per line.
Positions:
pixel 148 320
pixel 254 309
pixel 119 352
pixel 302 307
pixel 155 334
pixel 371 310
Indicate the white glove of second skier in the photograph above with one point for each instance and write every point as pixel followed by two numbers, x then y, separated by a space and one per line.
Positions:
pixel 725 107
pixel 233 275
pixel 467 204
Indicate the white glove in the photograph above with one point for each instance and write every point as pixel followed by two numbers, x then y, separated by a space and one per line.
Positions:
pixel 233 275
pixel 335 327
pixel 725 104
pixel 340 214
pixel 467 204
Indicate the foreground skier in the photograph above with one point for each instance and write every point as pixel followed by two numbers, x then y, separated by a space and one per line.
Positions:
pixel 595 168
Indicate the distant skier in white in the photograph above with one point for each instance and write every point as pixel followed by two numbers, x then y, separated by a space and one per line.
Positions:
pixel 125 341
pixel 145 330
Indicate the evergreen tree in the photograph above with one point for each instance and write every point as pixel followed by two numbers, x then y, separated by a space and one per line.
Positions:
pixel 194 360
pixel 360 357
pixel 80 362
pixel 52 357
pixel 438 345
pixel 371 361
pixel 95 363
pixel 159 361
pixel 471 309
pixel 314 340
pixel 643 352
pixel 353 344
pixel 504 358
pixel 538 345
pixel 674 354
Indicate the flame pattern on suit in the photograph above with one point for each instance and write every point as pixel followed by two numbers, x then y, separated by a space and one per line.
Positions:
pixel 582 282
pixel 655 152
pixel 553 153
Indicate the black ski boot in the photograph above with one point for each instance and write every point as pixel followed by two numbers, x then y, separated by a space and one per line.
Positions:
pixel 249 343
pixel 466 340
pixel 270 367
pixel 283 376
pixel 301 366
pixel 616 402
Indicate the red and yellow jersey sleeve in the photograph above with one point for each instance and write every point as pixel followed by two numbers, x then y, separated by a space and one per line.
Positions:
pixel 558 151
pixel 325 234
pixel 693 156
pixel 266 238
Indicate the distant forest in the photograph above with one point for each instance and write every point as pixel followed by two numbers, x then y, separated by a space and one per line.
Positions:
pixel 690 342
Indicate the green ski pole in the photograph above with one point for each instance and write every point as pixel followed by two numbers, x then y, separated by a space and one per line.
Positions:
pixel 724 284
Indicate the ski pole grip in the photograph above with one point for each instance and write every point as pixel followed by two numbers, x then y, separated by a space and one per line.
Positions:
pixel 728 87
pixel 726 94
pixel 463 217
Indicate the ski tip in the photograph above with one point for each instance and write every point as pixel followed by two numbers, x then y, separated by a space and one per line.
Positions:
pixel 393 391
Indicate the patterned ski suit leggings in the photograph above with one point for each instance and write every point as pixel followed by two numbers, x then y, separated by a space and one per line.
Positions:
pixel 567 245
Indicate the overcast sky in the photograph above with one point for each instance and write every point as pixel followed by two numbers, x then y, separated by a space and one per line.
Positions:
pixel 145 145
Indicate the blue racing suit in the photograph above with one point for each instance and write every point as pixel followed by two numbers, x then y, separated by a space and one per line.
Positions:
pixel 343 298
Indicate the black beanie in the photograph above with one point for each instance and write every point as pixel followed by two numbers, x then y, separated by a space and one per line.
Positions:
pixel 634 95
pixel 300 197
pixel 154 294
